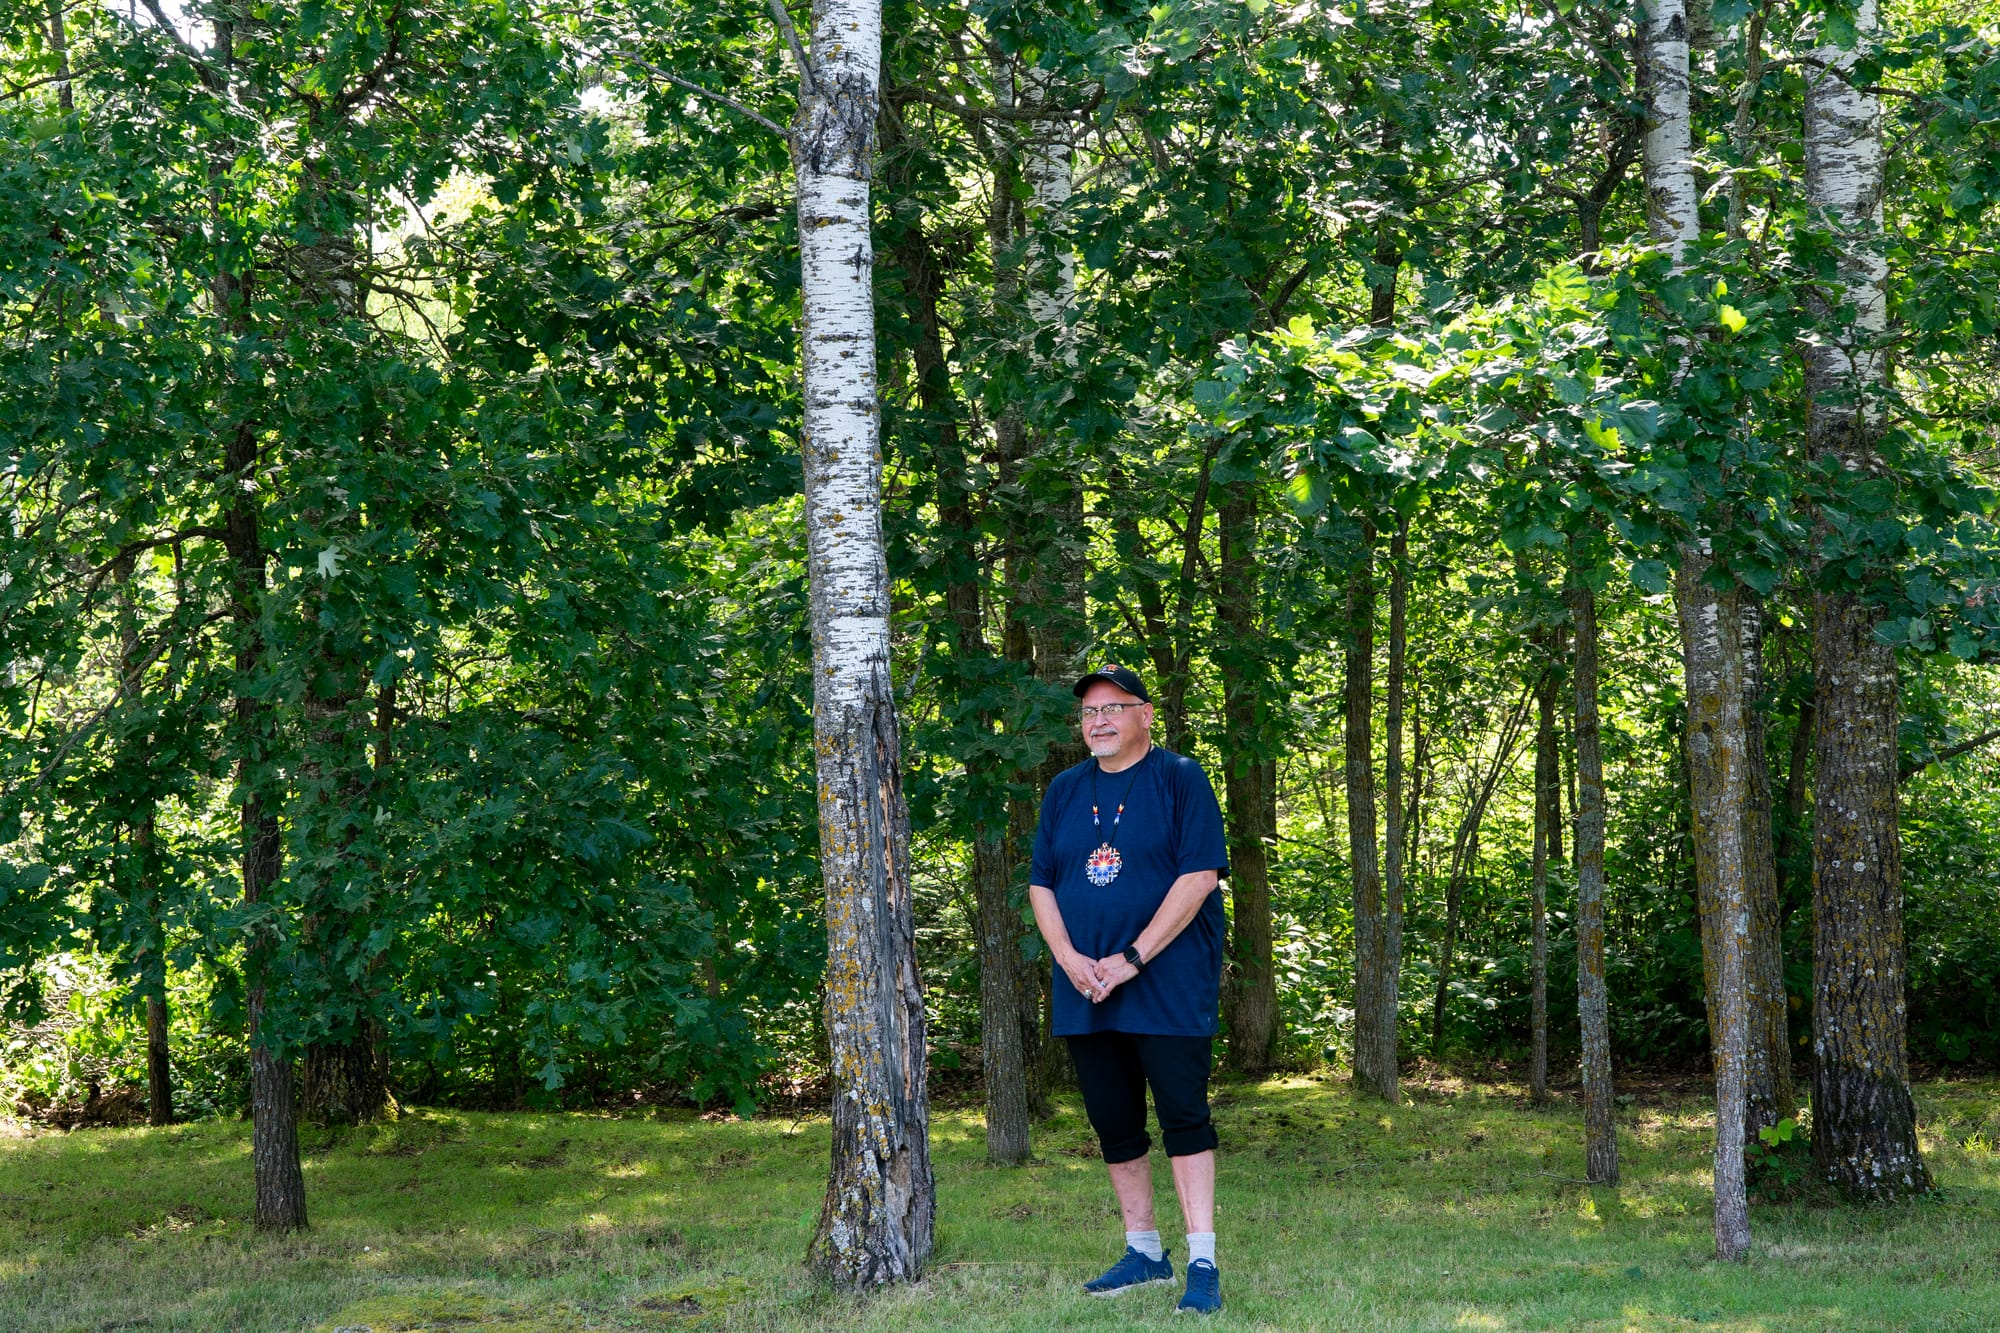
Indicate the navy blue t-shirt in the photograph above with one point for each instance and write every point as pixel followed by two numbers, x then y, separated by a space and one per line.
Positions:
pixel 1172 826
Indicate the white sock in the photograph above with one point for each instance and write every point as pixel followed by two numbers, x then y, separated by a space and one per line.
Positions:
pixel 1148 1244
pixel 1201 1245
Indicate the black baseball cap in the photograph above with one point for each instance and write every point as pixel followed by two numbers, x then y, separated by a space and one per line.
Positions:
pixel 1123 677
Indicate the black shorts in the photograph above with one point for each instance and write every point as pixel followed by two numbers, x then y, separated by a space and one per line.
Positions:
pixel 1114 1069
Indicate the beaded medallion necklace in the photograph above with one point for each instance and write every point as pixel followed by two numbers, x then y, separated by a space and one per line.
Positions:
pixel 1105 863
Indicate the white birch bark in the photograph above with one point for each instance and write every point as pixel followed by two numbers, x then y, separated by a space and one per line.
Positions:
pixel 1711 651
pixel 1711 655
pixel 1047 166
pixel 876 1223
pixel 1671 213
pixel 1059 548
pixel 1864 1121
pixel 1843 133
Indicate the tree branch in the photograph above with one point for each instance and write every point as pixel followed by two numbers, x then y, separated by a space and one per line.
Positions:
pixel 173 34
pixel 699 91
pixel 968 111
pixel 392 59
pixel 1984 738
pixel 89 724
pixel 15 90
pixel 791 34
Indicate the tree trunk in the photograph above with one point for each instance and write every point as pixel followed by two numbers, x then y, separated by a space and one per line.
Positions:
pixel 1711 655
pixel 876 1223
pixel 159 1069
pixel 274 1123
pixel 1359 705
pixel 1600 1136
pixel 340 1081
pixel 1002 1001
pixel 1671 212
pixel 1864 1121
pixel 1711 646
pixel 1378 983
pixel 59 47
pixel 1006 1024
pixel 274 1138
pixel 1454 892
pixel 142 886
pixel 1387 259
pixel 1793 882
pixel 1767 1070
pixel 1464 855
pixel 1250 1001
pixel 1548 818
pixel 1055 535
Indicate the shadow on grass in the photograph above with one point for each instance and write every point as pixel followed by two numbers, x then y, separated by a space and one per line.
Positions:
pixel 1459 1209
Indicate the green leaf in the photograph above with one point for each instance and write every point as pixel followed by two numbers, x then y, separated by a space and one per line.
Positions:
pixel 1307 493
pixel 1732 318
pixel 1650 576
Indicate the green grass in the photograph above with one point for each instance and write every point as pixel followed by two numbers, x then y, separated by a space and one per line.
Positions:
pixel 1449 1213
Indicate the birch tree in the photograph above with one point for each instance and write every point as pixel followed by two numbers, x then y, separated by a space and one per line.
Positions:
pixel 876 1223
pixel 1711 655
pixel 1864 1121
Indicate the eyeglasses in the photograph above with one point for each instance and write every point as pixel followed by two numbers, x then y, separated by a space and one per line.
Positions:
pixel 1107 710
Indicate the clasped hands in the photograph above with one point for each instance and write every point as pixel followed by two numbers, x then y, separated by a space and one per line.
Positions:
pixel 1096 978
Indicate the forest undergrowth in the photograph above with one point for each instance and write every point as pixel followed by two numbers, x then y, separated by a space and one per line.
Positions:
pixel 1459 1209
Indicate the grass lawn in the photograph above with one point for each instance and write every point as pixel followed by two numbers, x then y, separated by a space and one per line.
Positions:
pixel 1453 1212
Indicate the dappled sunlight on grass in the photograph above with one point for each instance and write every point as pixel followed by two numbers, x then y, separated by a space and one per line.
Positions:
pixel 1460 1209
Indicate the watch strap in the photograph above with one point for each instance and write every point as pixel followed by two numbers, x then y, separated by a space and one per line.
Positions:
pixel 1132 957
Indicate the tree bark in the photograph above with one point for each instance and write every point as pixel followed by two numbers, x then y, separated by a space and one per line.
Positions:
pixel 1767 1071
pixel 280 1202
pixel 1053 536
pixel 274 1138
pixel 1600 1136
pixel 1864 1120
pixel 1548 816
pixel 59 47
pixel 1378 983
pixel 142 879
pixel 1711 644
pixel 340 1081
pixel 1359 706
pixel 159 1067
pixel 876 1224
pixel 1790 882
pixel 1250 1000
pixel 1672 216
pixel 1711 656
pixel 1006 1021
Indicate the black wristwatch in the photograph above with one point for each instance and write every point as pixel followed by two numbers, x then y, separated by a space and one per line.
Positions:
pixel 1132 957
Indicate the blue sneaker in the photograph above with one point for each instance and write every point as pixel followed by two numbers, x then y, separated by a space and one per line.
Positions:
pixel 1204 1289
pixel 1134 1270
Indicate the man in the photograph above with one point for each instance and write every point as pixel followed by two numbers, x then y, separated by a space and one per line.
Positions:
pixel 1123 884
